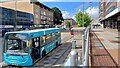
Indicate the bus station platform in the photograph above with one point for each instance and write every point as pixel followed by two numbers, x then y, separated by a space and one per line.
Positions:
pixel 104 48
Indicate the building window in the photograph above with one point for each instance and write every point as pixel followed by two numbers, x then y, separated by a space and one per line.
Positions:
pixel 36 10
pixel 44 22
pixel 110 9
pixel 36 15
pixel 36 21
pixel 101 15
pixel 43 18
pixel 43 12
pixel 101 4
pixel 110 2
pixel 101 10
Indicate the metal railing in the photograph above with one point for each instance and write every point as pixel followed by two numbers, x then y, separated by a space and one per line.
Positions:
pixel 73 59
pixel 85 47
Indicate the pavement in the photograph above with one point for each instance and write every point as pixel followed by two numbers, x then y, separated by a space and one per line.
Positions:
pixel 78 32
pixel 110 39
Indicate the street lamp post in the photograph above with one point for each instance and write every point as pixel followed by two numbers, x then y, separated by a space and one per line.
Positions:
pixel 83 16
pixel 15 22
pixel 91 8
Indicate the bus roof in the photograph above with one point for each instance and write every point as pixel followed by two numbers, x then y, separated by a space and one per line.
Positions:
pixel 37 32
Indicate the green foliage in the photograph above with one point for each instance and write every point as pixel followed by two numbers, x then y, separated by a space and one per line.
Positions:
pixel 68 24
pixel 57 16
pixel 79 18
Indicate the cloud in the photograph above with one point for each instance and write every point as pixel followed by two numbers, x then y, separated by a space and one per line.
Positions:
pixel 4 0
pixel 66 14
pixel 79 10
pixel 93 12
pixel 73 17
pixel 48 0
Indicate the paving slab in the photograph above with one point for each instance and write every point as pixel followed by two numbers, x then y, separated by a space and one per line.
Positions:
pixel 110 39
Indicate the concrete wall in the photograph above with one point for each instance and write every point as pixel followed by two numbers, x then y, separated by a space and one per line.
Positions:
pixel 18 5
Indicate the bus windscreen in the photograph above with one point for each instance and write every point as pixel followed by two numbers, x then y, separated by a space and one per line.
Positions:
pixel 15 44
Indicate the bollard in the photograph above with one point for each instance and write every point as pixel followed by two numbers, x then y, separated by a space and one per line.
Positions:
pixel 91 27
pixel 73 59
pixel 83 47
pixel 73 44
pixel 73 37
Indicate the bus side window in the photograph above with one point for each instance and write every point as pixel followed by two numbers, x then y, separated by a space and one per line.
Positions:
pixel 57 35
pixel 48 38
pixel 53 36
pixel 42 39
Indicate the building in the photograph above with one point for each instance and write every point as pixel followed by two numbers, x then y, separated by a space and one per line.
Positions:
pixel 24 14
pixel 8 20
pixel 109 13
pixel 102 10
pixel 72 22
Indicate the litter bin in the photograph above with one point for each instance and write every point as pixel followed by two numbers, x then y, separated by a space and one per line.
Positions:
pixel 73 44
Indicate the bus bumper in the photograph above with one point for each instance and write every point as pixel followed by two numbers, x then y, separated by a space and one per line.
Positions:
pixel 18 60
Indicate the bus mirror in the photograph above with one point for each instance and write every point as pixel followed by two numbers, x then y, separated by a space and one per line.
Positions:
pixel 28 43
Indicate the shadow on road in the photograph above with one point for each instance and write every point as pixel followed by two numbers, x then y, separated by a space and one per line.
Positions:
pixel 57 57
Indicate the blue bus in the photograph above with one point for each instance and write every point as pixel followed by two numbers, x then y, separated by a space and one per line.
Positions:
pixel 24 48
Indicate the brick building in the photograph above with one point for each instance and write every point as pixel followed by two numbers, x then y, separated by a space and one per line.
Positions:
pixel 109 13
pixel 25 14
pixel 72 22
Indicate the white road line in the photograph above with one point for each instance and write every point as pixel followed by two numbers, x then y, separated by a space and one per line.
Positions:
pixel 2 64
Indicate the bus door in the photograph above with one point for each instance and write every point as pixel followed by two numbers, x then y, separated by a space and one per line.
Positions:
pixel 35 48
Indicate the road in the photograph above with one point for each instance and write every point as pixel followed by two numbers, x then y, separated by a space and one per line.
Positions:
pixel 58 56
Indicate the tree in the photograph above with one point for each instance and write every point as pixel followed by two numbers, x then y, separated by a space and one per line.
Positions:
pixel 79 17
pixel 57 16
pixel 68 24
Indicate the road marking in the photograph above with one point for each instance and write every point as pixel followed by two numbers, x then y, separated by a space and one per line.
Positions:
pixel 3 64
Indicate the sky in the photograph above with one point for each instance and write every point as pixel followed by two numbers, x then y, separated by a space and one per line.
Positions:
pixel 69 9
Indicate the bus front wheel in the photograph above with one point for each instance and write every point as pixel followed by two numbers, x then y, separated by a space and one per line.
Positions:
pixel 43 54
pixel 56 44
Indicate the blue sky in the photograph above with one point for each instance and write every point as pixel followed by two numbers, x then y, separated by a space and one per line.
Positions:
pixel 69 9
pixel 70 6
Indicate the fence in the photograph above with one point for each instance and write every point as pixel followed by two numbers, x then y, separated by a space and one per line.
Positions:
pixel 73 59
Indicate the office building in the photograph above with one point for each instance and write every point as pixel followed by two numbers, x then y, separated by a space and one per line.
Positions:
pixel 24 14
pixel 109 13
